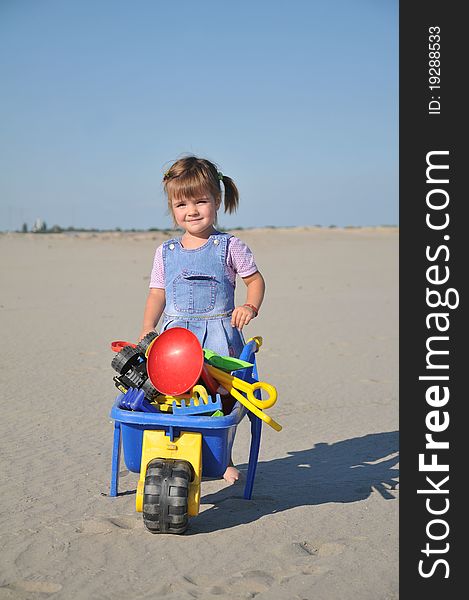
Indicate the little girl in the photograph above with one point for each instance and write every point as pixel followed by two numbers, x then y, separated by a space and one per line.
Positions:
pixel 193 277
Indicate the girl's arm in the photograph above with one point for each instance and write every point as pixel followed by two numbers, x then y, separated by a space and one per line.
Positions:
pixel 153 310
pixel 255 295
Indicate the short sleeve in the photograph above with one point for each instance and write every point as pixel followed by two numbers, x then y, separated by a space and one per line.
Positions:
pixel 240 258
pixel 157 272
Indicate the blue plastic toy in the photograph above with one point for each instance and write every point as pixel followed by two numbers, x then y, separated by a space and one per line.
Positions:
pixel 134 399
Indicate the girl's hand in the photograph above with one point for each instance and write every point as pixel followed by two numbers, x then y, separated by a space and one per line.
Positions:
pixel 241 316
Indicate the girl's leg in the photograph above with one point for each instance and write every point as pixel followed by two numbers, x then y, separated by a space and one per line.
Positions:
pixel 227 341
pixel 231 475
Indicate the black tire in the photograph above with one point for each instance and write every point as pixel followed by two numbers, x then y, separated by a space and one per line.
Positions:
pixel 149 389
pixel 165 495
pixel 146 341
pixel 125 359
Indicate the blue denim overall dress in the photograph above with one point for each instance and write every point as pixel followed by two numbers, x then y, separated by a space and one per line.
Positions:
pixel 199 294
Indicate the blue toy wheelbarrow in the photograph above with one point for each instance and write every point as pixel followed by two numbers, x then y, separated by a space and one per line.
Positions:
pixel 172 452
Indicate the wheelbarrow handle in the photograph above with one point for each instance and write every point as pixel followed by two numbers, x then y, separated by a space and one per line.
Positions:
pixel 251 346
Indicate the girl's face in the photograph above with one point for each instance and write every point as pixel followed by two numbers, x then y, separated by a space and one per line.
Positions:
pixel 196 215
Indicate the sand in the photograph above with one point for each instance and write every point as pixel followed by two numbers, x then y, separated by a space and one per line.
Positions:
pixel 323 520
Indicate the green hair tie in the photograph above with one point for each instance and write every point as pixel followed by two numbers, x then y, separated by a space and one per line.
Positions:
pixel 220 175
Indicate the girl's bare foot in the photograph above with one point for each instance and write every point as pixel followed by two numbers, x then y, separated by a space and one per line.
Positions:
pixel 231 475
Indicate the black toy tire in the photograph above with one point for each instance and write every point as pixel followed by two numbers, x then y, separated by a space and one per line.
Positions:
pixel 125 359
pixel 146 341
pixel 149 390
pixel 165 495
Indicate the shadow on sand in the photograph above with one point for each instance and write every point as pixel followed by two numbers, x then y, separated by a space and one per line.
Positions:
pixel 345 471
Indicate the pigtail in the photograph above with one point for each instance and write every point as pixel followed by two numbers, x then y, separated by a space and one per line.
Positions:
pixel 231 194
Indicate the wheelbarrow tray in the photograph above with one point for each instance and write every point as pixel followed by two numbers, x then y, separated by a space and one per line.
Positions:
pixel 218 434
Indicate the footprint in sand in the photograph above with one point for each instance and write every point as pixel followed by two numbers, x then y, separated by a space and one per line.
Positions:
pixel 124 522
pixel 39 587
pixel 107 525
pixel 217 590
pixel 308 570
pixel 331 548
pixel 254 582
pixel 94 526
pixel 304 549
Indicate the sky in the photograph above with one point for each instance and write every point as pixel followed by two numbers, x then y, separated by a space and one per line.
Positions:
pixel 296 101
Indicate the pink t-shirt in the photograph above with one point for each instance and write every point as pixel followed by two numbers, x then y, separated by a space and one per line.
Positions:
pixel 239 261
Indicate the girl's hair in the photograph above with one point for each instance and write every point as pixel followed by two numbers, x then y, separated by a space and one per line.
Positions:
pixel 190 177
